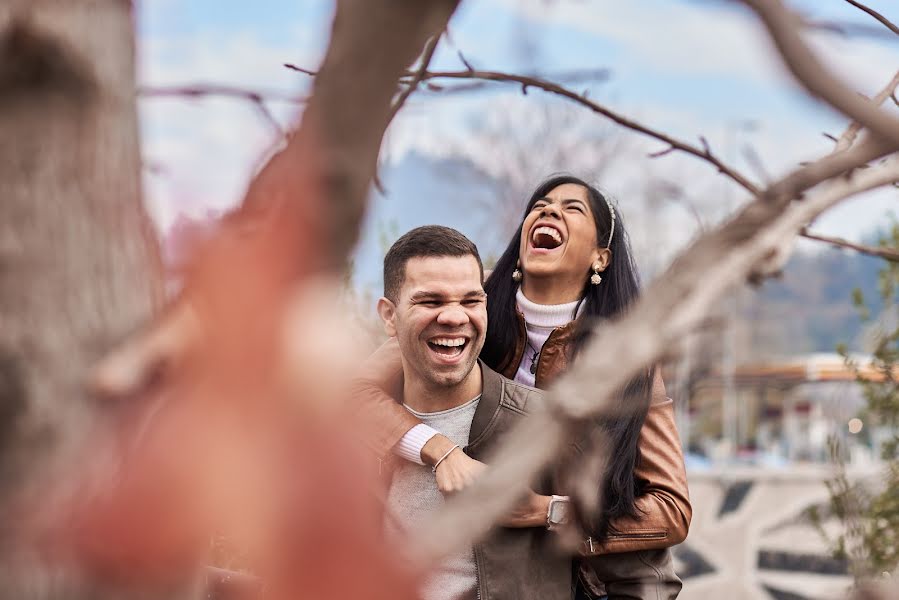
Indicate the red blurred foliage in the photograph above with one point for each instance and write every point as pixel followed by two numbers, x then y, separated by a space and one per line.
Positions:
pixel 221 443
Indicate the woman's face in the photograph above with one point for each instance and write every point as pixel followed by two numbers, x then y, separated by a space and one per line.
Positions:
pixel 558 237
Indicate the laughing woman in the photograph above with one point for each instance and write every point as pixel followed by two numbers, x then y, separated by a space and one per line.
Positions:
pixel 569 266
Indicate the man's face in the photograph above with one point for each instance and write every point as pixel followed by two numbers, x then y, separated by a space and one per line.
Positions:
pixel 439 319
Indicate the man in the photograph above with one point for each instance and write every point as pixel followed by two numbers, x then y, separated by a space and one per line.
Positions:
pixel 435 305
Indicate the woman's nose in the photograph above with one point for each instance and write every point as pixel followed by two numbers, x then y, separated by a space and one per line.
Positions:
pixel 550 210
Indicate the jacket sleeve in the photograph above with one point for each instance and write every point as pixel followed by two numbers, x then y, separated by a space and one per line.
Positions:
pixel 382 419
pixel 663 509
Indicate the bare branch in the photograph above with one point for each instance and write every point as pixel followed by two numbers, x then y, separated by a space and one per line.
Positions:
pixel 526 81
pixel 891 254
pixel 204 90
pixel 417 76
pixel 661 153
pixel 886 22
pixel 294 67
pixel 554 88
pixel 256 98
pixel 754 159
pixel 673 306
pixel 464 61
pixel 337 144
pixel 783 26
pixel 848 136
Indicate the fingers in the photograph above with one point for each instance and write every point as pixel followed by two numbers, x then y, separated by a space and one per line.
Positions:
pixel 457 472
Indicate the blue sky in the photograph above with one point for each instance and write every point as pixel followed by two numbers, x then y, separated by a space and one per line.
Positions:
pixel 689 68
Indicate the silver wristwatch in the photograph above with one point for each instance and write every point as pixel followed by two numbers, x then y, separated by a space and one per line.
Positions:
pixel 558 513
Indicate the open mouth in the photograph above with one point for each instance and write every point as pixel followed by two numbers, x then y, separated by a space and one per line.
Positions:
pixel 448 347
pixel 546 238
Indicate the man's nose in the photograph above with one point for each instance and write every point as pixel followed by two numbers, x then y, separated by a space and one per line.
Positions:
pixel 452 316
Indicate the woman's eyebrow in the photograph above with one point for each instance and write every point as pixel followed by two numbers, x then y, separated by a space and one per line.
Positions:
pixel 567 201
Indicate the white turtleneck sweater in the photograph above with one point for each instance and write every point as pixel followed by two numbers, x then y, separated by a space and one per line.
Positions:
pixel 540 321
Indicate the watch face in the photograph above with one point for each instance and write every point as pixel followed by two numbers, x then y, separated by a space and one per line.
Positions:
pixel 558 512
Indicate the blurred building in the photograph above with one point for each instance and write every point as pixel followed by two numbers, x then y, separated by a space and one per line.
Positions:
pixel 777 413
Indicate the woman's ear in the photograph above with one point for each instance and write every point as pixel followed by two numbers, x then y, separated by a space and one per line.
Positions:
pixel 387 312
pixel 601 257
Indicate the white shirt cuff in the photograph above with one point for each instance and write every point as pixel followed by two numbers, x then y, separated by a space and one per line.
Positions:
pixel 415 439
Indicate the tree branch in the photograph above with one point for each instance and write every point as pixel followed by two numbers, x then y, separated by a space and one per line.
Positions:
pixel 417 76
pixel 783 26
pixel 848 136
pixel 256 98
pixel 886 22
pixel 890 254
pixel 526 81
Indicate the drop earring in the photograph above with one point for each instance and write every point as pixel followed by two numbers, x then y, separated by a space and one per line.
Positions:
pixel 596 278
pixel 516 274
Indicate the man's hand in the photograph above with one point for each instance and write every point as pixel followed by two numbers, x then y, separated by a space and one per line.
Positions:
pixel 457 471
pixel 530 512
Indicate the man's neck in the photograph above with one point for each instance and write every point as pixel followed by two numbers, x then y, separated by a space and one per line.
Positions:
pixel 427 398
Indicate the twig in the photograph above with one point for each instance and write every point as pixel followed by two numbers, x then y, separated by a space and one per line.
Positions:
pixel 557 89
pixel 465 62
pixel 890 254
pixel 848 136
pixel 256 98
pixel 889 25
pixel 554 88
pixel 754 160
pixel 417 76
pixel 294 67
pixel 847 29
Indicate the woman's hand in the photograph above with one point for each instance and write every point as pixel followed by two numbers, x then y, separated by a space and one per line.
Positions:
pixel 530 512
pixel 457 471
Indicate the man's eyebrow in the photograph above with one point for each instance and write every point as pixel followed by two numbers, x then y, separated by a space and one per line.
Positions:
pixel 431 295
pixel 425 295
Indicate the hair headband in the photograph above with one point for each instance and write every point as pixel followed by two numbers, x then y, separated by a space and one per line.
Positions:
pixel 611 212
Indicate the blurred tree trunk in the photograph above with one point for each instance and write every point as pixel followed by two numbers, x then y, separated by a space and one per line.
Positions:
pixel 79 267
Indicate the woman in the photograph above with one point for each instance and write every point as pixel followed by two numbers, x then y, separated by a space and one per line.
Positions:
pixel 568 266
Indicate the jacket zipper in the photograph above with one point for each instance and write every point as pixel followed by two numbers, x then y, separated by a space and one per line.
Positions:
pixel 649 535
pixel 477 572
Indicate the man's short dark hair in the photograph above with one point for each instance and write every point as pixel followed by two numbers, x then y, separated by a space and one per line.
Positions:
pixel 421 242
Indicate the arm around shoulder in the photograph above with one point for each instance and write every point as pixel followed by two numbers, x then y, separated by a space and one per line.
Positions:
pixel 385 421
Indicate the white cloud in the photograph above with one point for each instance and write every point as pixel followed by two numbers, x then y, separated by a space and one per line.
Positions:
pixel 202 152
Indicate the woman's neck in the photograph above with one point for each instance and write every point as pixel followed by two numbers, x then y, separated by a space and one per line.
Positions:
pixel 548 291
pixel 545 315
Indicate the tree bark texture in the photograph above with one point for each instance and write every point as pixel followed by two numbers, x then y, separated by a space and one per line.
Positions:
pixel 78 262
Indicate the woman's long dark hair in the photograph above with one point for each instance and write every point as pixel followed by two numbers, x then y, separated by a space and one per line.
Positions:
pixel 619 288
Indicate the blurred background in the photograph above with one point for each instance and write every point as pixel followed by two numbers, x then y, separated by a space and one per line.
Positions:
pixel 770 395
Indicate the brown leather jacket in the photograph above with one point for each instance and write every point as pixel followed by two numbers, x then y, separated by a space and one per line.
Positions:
pixel 664 506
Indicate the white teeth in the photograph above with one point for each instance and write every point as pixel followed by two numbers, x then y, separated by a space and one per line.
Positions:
pixel 448 342
pixel 548 231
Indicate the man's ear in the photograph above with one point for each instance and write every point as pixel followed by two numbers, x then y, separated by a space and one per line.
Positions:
pixel 387 312
pixel 601 257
